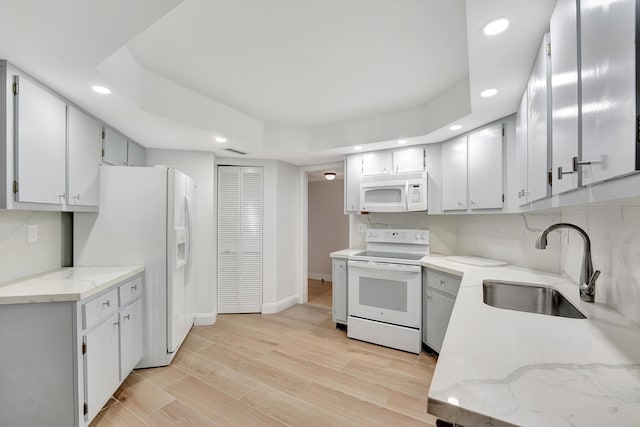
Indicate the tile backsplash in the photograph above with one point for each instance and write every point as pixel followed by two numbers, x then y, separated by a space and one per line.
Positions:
pixel 18 258
pixel 614 233
pixel 615 248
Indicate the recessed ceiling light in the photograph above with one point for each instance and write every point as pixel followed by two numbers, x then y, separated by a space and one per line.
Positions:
pixel 455 127
pixel 496 27
pixel 488 93
pixel 330 176
pixel 402 141
pixel 101 90
pixel 220 139
pixel 358 147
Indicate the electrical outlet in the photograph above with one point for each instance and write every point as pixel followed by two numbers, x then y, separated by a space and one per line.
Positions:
pixel 32 233
pixel 362 228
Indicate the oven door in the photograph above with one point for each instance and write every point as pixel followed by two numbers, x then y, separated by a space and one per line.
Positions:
pixel 390 293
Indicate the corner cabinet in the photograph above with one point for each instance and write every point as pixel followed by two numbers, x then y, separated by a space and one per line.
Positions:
pixel 68 358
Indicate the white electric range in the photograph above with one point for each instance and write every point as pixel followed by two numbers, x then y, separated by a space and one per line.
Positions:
pixel 385 289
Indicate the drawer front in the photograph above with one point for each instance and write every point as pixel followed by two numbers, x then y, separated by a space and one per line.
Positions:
pixel 443 282
pixel 99 308
pixel 130 290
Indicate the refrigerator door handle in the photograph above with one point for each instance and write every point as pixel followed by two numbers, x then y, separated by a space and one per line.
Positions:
pixel 189 238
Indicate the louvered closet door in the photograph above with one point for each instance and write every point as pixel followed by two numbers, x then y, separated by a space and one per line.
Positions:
pixel 239 239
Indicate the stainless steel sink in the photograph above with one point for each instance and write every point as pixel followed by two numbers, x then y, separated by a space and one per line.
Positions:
pixel 528 297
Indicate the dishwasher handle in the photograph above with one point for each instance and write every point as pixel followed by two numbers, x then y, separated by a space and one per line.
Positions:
pixel 385 266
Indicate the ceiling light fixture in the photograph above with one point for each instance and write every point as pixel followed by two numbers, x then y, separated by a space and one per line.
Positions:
pixel 330 176
pixel 402 141
pixel 496 26
pixel 455 127
pixel 488 93
pixel 101 90
pixel 220 139
pixel 358 147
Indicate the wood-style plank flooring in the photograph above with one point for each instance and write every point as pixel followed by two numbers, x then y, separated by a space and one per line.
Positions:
pixel 320 293
pixel 290 368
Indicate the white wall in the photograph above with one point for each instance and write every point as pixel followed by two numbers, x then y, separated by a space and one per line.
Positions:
pixel 276 234
pixel 508 237
pixel 19 258
pixel 288 205
pixel 201 167
pixel 328 225
pixel 615 247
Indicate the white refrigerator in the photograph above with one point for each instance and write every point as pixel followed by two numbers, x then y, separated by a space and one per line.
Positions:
pixel 145 219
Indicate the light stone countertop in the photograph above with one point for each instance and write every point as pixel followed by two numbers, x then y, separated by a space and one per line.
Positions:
pixel 501 367
pixel 345 253
pixel 66 284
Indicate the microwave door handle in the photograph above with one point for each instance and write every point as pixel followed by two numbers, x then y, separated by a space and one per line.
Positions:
pixel 406 194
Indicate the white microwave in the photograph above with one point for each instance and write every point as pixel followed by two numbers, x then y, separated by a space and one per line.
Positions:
pixel 399 192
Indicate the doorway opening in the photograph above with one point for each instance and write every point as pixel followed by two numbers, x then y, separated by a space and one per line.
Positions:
pixel 327 228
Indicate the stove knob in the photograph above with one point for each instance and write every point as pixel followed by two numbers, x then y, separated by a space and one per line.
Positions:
pixel 424 236
pixel 417 237
pixel 374 235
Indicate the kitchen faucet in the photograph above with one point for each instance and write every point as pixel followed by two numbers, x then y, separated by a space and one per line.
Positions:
pixel 588 277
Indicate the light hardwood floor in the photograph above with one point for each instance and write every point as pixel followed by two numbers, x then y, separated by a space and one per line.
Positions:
pixel 319 293
pixel 290 368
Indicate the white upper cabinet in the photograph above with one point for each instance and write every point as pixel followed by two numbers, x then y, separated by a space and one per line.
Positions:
pixel 608 88
pixel 352 172
pixel 539 126
pixel 486 190
pixel 84 135
pixel 408 160
pixel 135 154
pixel 521 150
pixel 377 162
pixel 564 95
pixel 114 147
pixel 40 142
pixel 454 174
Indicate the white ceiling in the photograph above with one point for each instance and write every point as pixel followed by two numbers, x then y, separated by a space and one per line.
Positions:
pixel 297 80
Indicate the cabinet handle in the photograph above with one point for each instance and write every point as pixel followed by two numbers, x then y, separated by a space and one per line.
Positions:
pixel 107 303
pixel 442 283
pixel 428 296
pixel 127 317
pixel 134 287
pixel 77 197
pixel 116 323
pixel 473 203
pixel 62 196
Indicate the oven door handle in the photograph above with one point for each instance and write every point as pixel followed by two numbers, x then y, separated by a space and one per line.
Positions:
pixel 385 266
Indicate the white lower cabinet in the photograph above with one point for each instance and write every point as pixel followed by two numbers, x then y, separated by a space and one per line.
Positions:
pixel 68 358
pixel 101 364
pixel 339 293
pixel 439 293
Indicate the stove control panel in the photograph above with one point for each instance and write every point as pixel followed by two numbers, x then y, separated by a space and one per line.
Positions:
pixel 398 236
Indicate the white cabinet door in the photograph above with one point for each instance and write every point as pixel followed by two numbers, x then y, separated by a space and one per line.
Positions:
pixel 608 88
pixel 454 174
pixel 40 143
pixel 486 188
pixel 101 364
pixel 521 150
pixel 115 148
pixel 84 135
pixel 538 128
pixel 339 292
pixel 377 162
pixel 408 160
pixel 135 154
pixel 564 94
pixel 352 170
pixel 439 308
pixel 130 338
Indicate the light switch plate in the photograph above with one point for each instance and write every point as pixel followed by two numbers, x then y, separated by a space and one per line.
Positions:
pixel 32 233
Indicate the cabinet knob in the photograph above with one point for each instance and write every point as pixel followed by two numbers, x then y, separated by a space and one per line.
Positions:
pixel 442 283
pixel 126 317
pixel 428 296
pixel 134 287
pixel 77 196
pixel 116 323
pixel 62 196
pixel 107 303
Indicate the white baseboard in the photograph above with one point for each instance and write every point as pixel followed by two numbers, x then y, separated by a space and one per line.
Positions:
pixel 320 276
pixel 276 307
pixel 205 319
